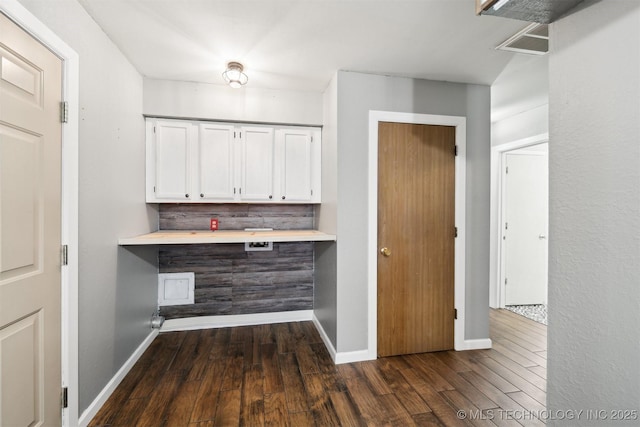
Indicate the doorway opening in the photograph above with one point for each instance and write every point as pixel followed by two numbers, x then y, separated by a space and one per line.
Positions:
pixel 519 227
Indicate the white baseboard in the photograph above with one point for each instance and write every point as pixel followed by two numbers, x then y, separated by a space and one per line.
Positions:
pixel 353 356
pixel 480 344
pixel 325 338
pixel 226 321
pixel 343 357
pixel 102 397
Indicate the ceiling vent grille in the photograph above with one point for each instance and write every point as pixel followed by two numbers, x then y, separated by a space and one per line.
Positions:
pixel 533 40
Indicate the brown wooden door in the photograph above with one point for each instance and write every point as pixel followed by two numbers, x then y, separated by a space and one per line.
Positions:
pixel 416 212
pixel 30 230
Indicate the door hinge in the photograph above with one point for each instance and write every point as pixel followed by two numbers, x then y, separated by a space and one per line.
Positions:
pixel 65 255
pixel 455 231
pixel 311 139
pixel 505 281
pixel 64 112
pixel 64 397
pixel 154 188
pixel 506 169
pixel 455 313
pixel 455 150
pixel 154 129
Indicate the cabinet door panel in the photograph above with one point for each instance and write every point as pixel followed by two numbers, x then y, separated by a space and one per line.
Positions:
pixel 215 162
pixel 257 165
pixel 173 180
pixel 296 165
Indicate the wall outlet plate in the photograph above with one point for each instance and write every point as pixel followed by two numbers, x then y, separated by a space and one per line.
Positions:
pixel 258 246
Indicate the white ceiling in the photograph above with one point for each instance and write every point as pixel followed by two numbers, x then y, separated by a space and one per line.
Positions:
pixel 300 44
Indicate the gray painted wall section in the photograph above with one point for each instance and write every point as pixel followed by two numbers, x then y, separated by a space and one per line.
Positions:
pixel 594 246
pixel 357 95
pixel 326 216
pixel 117 287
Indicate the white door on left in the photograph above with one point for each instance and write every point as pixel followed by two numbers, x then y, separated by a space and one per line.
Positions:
pixel 30 230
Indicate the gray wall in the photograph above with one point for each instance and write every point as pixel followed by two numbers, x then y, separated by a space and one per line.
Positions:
pixel 325 255
pixel 594 246
pixel 520 100
pixel 357 94
pixel 117 287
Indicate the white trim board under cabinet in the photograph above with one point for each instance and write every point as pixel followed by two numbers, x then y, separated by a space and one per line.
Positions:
pixel 208 162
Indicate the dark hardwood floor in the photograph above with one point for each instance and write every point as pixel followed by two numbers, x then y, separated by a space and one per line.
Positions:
pixel 282 375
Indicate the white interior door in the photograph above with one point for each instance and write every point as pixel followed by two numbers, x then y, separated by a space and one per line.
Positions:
pixel 525 225
pixel 30 230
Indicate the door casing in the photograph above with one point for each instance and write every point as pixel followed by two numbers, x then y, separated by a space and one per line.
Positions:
pixel 460 123
pixel 69 227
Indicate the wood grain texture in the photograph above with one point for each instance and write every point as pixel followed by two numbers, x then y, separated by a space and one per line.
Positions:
pixel 254 377
pixel 235 216
pixel 229 280
pixel 416 220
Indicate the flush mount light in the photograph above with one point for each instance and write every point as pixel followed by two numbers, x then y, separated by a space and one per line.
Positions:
pixel 234 76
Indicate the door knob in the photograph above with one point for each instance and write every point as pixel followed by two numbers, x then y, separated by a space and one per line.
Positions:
pixel 385 251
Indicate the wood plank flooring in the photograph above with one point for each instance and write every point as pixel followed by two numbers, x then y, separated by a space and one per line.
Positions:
pixel 282 375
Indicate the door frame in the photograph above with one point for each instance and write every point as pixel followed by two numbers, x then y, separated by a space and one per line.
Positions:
pixel 69 226
pixel 460 123
pixel 496 268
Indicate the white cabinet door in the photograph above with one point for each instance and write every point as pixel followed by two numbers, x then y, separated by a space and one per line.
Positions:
pixel 257 164
pixel 173 160
pixel 295 167
pixel 215 162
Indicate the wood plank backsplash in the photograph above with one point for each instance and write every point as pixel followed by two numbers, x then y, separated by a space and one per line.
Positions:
pixel 230 280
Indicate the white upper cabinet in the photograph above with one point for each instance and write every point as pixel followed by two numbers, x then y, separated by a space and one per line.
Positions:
pixel 215 162
pixel 169 162
pixel 206 162
pixel 294 155
pixel 257 164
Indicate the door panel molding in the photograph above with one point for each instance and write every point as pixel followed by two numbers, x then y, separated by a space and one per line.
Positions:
pixel 69 227
pixel 460 124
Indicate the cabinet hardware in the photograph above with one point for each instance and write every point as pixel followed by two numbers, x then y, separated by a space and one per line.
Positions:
pixel 283 197
pixel 201 194
pixel 270 196
pixel 186 195
pixel 65 255
pixel 385 251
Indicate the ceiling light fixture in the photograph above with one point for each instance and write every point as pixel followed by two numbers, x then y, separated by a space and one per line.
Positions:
pixel 234 76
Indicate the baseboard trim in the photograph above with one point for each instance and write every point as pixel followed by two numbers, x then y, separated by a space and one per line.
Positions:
pixel 94 407
pixel 227 321
pixel 325 338
pixel 480 344
pixel 343 357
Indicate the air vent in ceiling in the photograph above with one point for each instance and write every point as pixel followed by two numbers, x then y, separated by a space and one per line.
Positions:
pixel 540 11
pixel 533 40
